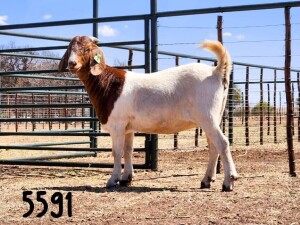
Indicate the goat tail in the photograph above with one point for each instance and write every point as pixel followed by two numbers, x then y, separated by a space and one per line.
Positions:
pixel 224 65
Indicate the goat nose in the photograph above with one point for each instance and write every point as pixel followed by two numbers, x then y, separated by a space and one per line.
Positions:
pixel 72 64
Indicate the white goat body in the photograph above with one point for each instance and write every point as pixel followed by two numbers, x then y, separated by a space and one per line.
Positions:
pixel 168 101
pixel 174 99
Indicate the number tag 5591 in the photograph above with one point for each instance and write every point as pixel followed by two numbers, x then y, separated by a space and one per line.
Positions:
pixel 56 199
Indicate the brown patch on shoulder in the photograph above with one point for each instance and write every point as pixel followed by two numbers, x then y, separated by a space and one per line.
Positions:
pixel 104 90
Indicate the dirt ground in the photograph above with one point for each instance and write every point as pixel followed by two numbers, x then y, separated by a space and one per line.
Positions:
pixel 264 193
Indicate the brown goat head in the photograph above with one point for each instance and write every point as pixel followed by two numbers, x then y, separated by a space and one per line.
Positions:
pixel 82 57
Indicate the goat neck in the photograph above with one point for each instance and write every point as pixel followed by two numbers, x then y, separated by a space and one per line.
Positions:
pixel 104 90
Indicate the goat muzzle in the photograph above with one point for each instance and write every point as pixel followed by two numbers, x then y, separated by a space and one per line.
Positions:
pixel 72 65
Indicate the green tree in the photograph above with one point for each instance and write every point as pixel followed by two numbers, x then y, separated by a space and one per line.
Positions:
pixel 237 96
pixel 237 101
pixel 256 109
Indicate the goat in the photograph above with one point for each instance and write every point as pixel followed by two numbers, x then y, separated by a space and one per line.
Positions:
pixel 169 101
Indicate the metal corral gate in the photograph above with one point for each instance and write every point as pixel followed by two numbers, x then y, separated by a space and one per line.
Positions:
pixel 150 24
pixel 10 99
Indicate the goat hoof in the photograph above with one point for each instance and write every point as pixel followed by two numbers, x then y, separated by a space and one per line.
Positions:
pixel 233 177
pixel 126 182
pixel 227 188
pixel 112 185
pixel 204 185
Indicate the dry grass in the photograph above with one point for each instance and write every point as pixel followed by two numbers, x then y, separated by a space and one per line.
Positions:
pixel 264 193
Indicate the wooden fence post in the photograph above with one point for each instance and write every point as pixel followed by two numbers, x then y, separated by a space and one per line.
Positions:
pixel 268 112
pixel 275 108
pixel 280 107
pixel 197 137
pixel 261 117
pixel 289 101
pixel 130 56
pixel 220 28
pixel 247 108
pixel 293 108
pixel 298 84
pixel 243 108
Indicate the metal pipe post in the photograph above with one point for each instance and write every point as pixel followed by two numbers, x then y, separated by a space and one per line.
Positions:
pixel 220 39
pixel 154 68
pixel 93 124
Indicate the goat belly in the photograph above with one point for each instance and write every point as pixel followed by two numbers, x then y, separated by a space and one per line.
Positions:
pixel 159 127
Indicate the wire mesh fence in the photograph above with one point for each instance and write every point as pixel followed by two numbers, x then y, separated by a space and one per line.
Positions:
pixel 257 107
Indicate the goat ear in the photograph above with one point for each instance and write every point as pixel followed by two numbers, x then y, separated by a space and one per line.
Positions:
pixel 63 64
pixel 95 40
pixel 97 61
